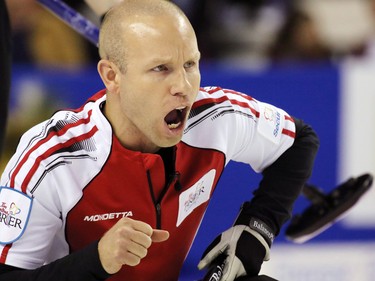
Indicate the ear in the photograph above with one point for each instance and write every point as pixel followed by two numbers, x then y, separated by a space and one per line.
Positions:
pixel 110 75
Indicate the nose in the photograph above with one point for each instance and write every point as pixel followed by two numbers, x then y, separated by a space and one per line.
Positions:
pixel 180 84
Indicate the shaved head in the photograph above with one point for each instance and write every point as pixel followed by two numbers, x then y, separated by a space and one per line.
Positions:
pixel 131 16
pixel 150 67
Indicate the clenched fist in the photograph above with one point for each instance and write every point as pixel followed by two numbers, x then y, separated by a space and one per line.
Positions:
pixel 126 243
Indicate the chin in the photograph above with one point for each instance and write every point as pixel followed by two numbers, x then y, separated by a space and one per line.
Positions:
pixel 170 142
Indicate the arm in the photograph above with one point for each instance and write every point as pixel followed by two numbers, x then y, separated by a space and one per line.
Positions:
pixel 125 243
pixel 83 265
pixel 283 181
pixel 247 244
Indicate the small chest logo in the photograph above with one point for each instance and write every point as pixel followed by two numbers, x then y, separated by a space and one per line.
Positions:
pixel 108 216
pixel 195 195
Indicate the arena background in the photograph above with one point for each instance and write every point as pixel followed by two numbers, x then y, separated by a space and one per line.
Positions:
pixel 338 101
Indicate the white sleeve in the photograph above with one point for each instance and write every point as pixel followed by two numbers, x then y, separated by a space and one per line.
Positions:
pixel 243 128
pixel 27 244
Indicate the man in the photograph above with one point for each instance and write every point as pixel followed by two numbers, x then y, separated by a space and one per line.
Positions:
pixel 117 188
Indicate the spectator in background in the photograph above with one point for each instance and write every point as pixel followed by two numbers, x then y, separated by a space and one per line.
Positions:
pixel 234 31
pixel 369 45
pixel 318 30
pixel 42 39
pixel 298 40
pixel 38 39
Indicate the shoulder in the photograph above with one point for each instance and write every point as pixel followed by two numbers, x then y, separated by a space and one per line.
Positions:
pixel 219 117
pixel 64 128
pixel 216 103
pixel 69 136
pixel 217 96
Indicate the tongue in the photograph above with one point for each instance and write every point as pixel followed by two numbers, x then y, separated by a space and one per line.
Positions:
pixel 172 117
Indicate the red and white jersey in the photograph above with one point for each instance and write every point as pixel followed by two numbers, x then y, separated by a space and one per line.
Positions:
pixel 70 180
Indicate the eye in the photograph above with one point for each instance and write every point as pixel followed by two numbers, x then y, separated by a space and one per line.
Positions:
pixel 160 68
pixel 189 64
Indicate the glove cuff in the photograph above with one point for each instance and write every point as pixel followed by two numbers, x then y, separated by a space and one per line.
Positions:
pixel 256 225
pixel 263 229
pixel 260 227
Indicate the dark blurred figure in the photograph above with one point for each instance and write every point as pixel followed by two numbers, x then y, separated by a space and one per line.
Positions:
pixel 5 59
pixel 298 40
pixel 368 51
pixel 318 30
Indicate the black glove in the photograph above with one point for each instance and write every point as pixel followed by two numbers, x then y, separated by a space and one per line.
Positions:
pixel 246 247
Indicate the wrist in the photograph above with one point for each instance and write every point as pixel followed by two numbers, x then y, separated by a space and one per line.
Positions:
pixel 255 224
pixel 263 229
pixel 109 265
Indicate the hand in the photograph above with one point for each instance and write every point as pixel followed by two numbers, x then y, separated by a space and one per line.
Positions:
pixel 127 243
pixel 245 249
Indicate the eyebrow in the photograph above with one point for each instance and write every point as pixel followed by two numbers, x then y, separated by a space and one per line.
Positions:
pixel 166 59
pixel 160 60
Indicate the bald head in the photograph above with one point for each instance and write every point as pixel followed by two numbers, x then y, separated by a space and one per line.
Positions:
pixel 133 16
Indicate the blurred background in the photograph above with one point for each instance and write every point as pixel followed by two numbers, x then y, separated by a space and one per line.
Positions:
pixel 313 58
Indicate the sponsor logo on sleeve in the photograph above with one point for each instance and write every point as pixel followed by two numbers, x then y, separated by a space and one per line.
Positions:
pixel 270 122
pixel 15 208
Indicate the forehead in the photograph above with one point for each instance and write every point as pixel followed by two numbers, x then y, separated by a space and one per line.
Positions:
pixel 142 29
pixel 161 36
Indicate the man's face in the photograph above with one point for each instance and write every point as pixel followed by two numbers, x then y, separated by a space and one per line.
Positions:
pixel 160 83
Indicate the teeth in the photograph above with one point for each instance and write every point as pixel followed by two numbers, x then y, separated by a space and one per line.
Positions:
pixel 178 124
pixel 174 126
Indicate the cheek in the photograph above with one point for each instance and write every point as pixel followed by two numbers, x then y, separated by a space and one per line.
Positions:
pixel 143 102
pixel 141 107
pixel 195 83
pixel 195 79
pixel 131 105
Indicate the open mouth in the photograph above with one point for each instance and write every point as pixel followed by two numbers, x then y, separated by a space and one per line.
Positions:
pixel 176 117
